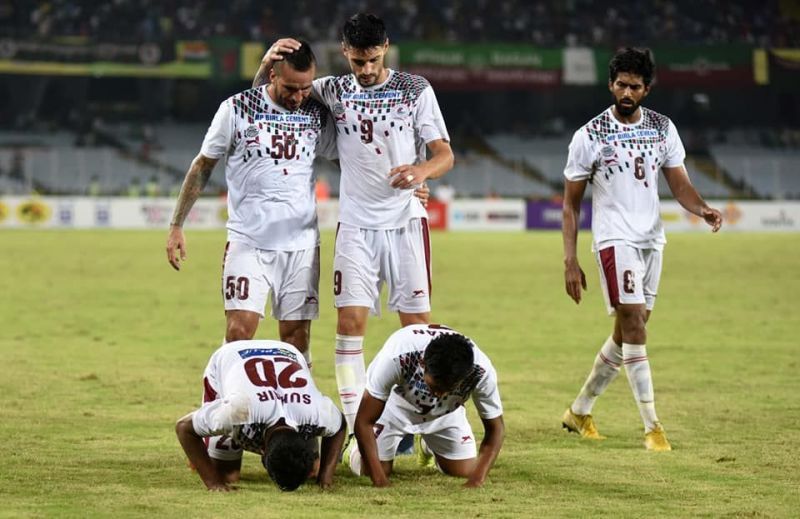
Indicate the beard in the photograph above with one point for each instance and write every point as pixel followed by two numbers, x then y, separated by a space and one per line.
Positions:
pixel 626 110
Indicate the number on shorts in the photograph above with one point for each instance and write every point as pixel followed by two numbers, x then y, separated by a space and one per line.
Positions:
pixel 237 287
pixel 628 283
pixel 366 130
pixel 337 282
pixel 226 443
pixel 638 168
pixel 261 373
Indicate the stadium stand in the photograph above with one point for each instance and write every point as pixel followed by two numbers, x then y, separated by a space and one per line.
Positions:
pixel 544 22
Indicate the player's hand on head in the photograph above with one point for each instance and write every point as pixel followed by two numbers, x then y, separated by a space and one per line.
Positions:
pixel 712 217
pixel 283 45
pixel 176 247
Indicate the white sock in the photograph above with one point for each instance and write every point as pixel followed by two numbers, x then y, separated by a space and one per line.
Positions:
pixel 605 370
pixel 638 369
pixel 351 376
pixel 356 467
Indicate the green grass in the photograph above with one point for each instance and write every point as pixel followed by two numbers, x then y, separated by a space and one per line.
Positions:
pixel 103 348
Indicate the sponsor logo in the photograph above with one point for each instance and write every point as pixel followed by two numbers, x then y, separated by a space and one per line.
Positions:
pixel 65 214
pixel 3 211
pixel 778 221
pixel 494 216
pixel 370 96
pixel 102 215
pixel 33 212
pixel 631 134
pixel 418 293
pixel 284 118
pixel 266 352
pixel 311 300
pixel 466 439
pixel 310 136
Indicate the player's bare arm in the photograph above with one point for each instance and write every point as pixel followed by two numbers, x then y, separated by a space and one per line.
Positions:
pixel 329 456
pixel 685 193
pixel 369 411
pixel 193 184
pixel 495 432
pixel 441 161
pixel 195 450
pixel 574 277
pixel 271 56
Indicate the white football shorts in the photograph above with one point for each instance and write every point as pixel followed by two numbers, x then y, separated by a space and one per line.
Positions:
pixel 367 258
pixel 628 275
pixel 449 436
pixel 290 278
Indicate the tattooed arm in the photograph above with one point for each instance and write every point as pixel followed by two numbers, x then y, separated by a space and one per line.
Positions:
pixel 193 184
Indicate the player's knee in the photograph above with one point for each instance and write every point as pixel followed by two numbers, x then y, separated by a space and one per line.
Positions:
pixel 297 337
pixel 238 331
pixel 457 468
pixel 349 324
pixel 632 321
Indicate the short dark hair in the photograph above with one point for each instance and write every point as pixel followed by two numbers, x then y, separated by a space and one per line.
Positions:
pixel 289 458
pixel 633 61
pixel 449 359
pixel 364 31
pixel 301 60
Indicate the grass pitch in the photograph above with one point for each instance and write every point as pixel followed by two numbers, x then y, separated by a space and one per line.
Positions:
pixel 103 348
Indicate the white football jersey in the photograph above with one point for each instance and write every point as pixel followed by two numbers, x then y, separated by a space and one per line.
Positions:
pixel 377 129
pixel 270 151
pixel 396 369
pixel 250 385
pixel 623 161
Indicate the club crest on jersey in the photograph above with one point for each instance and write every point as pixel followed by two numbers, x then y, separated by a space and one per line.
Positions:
pixel 251 137
pixel 310 136
pixel 609 156
pixel 339 113
pixel 400 112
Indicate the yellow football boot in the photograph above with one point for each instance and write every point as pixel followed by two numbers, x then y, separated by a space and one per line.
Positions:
pixel 581 424
pixel 656 440
pixel 424 456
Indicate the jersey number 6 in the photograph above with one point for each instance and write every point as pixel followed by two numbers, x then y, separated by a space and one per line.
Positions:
pixel 638 168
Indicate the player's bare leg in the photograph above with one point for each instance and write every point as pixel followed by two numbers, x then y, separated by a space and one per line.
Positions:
pixel 228 469
pixel 457 468
pixel 241 325
pixel 407 319
pixel 298 334
pixel 351 373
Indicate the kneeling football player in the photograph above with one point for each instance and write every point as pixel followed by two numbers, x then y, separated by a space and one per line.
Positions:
pixel 418 384
pixel 259 396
